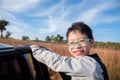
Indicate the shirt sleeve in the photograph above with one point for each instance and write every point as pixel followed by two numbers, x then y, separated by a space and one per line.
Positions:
pixel 83 66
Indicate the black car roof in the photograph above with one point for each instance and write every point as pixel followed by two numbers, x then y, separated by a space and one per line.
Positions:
pixel 5 46
pixel 6 49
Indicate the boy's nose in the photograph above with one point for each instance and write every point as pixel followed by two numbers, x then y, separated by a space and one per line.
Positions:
pixel 77 45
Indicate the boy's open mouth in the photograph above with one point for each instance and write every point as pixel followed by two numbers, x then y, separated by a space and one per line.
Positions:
pixel 78 52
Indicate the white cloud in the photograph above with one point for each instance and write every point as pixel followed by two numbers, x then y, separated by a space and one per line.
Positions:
pixel 16 26
pixel 13 19
pixel 96 13
pixel 89 15
pixel 55 14
pixel 51 25
pixel 18 5
pixel 60 14
pixel 50 10
pixel 6 15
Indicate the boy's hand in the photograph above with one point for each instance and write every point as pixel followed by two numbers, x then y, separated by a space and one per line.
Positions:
pixel 23 48
pixel 32 46
pixel 41 47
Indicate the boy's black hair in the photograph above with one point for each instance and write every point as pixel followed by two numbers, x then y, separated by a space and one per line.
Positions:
pixel 81 27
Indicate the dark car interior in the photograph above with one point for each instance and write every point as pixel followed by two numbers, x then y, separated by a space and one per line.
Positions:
pixel 15 65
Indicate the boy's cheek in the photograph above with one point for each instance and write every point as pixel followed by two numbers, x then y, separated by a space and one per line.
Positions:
pixel 70 50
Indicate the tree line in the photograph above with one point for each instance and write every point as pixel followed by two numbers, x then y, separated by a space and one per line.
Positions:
pixel 55 39
pixel 110 45
pixel 48 39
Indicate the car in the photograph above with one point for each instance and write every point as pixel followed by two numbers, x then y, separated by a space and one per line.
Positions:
pixel 15 64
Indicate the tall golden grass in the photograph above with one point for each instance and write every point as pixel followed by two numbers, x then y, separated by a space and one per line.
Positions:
pixel 109 57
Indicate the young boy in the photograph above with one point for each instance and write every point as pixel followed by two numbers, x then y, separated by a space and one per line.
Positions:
pixel 82 66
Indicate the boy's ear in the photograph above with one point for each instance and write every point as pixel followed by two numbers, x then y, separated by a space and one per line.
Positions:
pixel 92 42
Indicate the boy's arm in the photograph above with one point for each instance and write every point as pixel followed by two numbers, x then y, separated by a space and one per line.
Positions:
pixel 83 66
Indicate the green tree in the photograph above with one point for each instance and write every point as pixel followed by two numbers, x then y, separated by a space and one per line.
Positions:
pixel 47 39
pixel 8 34
pixel 52 38
pixel 25 38
pixel 36 39
pixel 56 39
pixel 59 39
pixel 3 23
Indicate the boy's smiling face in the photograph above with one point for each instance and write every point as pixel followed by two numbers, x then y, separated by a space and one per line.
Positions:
pixel 79 44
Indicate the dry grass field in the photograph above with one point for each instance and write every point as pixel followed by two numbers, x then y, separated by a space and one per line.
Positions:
pixel 110 57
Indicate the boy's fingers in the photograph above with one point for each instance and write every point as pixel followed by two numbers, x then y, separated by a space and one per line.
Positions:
pixel 32 46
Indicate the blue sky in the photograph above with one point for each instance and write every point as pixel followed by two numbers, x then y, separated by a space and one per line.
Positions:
pixel 39 18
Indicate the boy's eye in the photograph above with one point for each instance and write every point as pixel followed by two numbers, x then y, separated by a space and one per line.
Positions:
pixel 82 40
pixel 71 43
